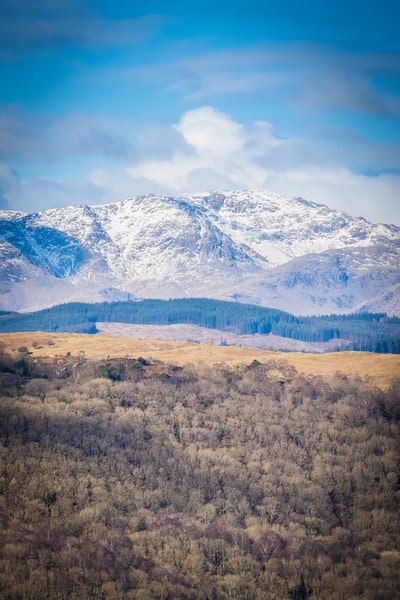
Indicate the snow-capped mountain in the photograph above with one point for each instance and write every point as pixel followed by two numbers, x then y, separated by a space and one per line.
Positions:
pixel 250 246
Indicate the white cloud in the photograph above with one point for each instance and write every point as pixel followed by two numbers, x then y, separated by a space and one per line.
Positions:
pixel 210 132
pixel 208 149
pixel 216 145
pixel 223 153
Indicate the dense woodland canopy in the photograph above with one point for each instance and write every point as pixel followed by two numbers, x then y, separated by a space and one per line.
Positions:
pixel 364 331
pixel 122 479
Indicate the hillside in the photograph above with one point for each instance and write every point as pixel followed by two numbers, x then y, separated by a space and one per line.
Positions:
pixel 381 369
pixel 133 478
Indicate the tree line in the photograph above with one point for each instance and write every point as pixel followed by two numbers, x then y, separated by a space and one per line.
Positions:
pixel 363 331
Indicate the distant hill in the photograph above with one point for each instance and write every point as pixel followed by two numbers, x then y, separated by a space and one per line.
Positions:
pixel 368 332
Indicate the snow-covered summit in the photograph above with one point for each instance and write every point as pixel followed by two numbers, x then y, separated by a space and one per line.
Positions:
pixel 253 246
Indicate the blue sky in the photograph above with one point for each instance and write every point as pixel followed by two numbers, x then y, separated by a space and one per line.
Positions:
pixel 105 100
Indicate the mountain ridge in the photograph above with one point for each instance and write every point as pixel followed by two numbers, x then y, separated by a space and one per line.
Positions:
pixel 249 246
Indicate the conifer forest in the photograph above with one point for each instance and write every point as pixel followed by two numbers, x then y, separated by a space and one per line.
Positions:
pixel 368 332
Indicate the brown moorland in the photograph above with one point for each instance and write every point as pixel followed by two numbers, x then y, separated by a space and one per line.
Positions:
pixel 381 369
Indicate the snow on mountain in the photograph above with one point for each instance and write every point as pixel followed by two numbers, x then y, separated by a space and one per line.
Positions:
pixel 250 246
pixel 335 281
pixel 389 299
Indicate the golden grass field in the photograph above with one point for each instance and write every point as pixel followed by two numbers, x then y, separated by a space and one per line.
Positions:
pixel 381 368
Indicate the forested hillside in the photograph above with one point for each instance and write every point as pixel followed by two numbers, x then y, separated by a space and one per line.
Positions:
pixel 368 332
pixel 131 479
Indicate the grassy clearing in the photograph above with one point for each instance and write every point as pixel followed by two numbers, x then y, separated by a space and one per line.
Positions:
pixel 381 368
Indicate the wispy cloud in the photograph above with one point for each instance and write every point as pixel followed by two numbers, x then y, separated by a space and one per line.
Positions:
pixel 37 26
pixel 34 138
pixel 311 76
pixel 32 194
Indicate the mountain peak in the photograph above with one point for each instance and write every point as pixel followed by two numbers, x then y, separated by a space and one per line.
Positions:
pixel 248 245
